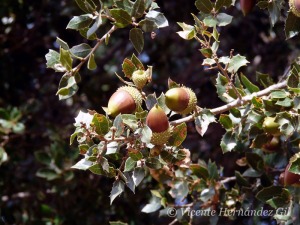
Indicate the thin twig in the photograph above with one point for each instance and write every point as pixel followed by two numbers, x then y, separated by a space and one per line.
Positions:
pixel 228 179
pixel 99 42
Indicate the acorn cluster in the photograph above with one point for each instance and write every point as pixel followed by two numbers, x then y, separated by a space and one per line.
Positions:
pixel 128 99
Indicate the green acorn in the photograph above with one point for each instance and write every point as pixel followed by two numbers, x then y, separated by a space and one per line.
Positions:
pixel 295 7
pixel 271 127
pixel 140 78
pixel 125 100
pixel 181 100
pixel 158 122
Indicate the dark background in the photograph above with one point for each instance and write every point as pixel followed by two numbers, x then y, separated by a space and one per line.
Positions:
pixel 77 197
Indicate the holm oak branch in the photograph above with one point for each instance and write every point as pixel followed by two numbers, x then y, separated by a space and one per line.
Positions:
pixel 238 102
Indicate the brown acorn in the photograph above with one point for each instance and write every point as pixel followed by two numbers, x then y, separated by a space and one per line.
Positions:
pixel 181 100
pixel 125 100
pixel 295 7
pixel 272 145
pixel 247 6
pixel 291 179
pixel 158 122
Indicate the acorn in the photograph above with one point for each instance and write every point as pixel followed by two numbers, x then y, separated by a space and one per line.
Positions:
pixel 140 78
pixel 295 7
pixel 272 145
pixel 271 127
pixel 291 179
pixel 158 122
pixel 125 100
pixel 247 6
pixel 181 100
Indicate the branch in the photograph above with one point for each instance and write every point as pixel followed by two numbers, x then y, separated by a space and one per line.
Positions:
pixel 238 102
pixel 99 42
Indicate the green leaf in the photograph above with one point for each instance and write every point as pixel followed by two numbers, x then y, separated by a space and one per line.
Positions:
pixel 225 121
pixel 180 190
pixel 42 157
pixel 148 25
pixel 275 196
pixel 83 164
pixel 122 17
pixel 135 155
pixel 112 148
pixel 223 3
pixel 91 63
pixel 294 77
pixel 92 30
pixel 154 205
pixel 48 174
pixel 129 164
pixel 255 161
pixel 138 8
pixel 127 5
pixel 228 142
pixel 204 6
pixel 223 19
pixel 264 79
pixel 87 6
pixel 212 171
pixel 188 32
pixel 292 25
pixel 65 59
pixel 161 101
pixel 199 170
pixel 117 223
pixel 80 22
pixel 117 189
pixel 128 67
pixel 3 155
pixel 167 157
pixel 178 135
pixel 52 58
pixel 248 84
pixel 118 123
pixel 274 8
pixel 241 180
pixel 62 43
pixel 203 120
pixel 137 39
pixel 101 123
pixel 83 33
pixel 67 87
pixel 279 94
pixel 153 163
pixel 138 64
pixel 130 120
pixel 237 62
pixel 146 135
pixel 295 164
pixel 81 51
pixel 151 101
pixel 158 18
pixel 138 175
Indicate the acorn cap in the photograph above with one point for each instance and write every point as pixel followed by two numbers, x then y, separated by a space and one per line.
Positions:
pixel 295 7
pixel 139 78
pixel 181 100
pixel 158 122
pixel 125 100
pixel 161 138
